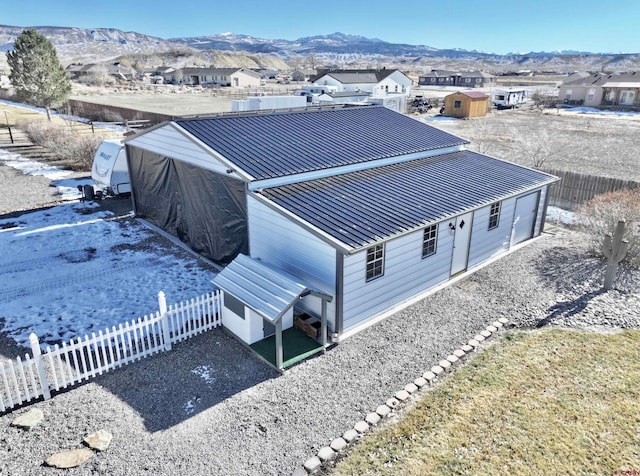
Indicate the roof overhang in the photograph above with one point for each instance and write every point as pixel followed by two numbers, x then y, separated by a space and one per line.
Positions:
pixel 266 290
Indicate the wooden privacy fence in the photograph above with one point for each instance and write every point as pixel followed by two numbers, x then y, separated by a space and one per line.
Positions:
pixel 575 189
pixel 70 363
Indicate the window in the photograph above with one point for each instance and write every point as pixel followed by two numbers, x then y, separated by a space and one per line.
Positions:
pixel 429 241
pixel 234 305
pixel 375 262
pixel 467 80
pixel 433 80
pixel 457 104
pixel 494 215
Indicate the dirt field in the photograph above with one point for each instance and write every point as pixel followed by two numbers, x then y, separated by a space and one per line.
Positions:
pixel 175 100
pixel 591 144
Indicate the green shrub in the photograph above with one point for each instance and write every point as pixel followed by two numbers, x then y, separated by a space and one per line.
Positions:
pixel 602 213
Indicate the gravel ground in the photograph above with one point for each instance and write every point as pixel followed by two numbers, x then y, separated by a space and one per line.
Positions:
pixel 210 407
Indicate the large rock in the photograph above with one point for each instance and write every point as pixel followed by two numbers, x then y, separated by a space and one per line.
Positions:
pixel 29 419
pixel 69 458
pixel 99 440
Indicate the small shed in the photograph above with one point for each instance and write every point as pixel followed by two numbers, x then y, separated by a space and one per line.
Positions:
pixel 466 104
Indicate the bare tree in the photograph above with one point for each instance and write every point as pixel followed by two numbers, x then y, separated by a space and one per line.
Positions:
pixel 536 147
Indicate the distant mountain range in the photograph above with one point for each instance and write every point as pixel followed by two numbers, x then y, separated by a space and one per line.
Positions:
pixel 83 45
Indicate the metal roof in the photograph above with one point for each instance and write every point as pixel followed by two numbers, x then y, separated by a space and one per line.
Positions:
pixel 350 76
pixel 267 291
pixel 285 143
pixel 369 206
pixel 475 94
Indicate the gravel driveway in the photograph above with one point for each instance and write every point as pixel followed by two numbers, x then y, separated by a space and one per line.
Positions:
pixel 209 407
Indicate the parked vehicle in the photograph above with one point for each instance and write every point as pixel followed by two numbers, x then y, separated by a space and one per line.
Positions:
pixel 110 171
pixel 509 98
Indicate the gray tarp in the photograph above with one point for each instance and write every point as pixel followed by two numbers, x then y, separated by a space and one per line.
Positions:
pixel 206 210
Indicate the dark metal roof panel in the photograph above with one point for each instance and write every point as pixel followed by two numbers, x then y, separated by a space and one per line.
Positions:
pixel 365 207
pixel 280 144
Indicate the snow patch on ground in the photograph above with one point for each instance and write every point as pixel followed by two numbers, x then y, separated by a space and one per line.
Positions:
pixel 205 373
pixel 73 269
pixel 559 215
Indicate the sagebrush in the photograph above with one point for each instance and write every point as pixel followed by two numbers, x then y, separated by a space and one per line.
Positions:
pixel 601 214
pixel 74 149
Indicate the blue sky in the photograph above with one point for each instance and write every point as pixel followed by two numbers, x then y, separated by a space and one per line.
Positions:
pixel 497 26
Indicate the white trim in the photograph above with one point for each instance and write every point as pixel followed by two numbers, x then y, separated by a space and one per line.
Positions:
pixel 243 175
pixel 345 169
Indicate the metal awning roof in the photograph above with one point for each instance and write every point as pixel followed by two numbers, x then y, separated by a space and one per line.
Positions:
pixel 268 291
pixel 362 208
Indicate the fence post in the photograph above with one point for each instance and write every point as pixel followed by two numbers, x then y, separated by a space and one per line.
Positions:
pixel 37 357
pixel 166 334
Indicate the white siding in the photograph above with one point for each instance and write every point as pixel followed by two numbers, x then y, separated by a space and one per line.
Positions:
pixel 486 243
pixel 406 274
pixel 167 141
pixel 282 243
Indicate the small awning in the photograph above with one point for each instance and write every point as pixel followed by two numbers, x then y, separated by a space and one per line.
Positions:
pixel 268 291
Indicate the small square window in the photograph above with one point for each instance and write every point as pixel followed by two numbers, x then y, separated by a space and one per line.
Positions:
pixel 494 215
pixel 375 262
pixel 234 305
pixel 429 241
pixel 457 104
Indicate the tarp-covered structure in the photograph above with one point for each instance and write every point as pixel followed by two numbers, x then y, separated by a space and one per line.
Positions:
pixel 205 210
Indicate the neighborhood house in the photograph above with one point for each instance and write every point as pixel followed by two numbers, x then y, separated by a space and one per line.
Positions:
pixel 343 214
pixel 467 79
pixel 602 90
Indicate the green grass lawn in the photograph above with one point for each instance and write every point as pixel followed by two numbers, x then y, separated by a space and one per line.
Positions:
pixel 542 403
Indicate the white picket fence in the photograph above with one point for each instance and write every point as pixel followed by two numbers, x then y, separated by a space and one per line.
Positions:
pixel 62 366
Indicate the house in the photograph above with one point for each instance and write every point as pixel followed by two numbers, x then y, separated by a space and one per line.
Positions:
pixel 115 70
pixel 602 90
pixel 376 82
pixel 300 75
pixel 342 214
pixel 467 79
pixel 236 77
pixel 466 104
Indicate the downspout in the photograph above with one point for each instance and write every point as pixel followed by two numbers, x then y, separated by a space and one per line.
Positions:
pixel 339 292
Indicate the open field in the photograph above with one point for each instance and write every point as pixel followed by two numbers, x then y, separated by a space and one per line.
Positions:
pixel 585 143
pixel 540 402
pixel 175 100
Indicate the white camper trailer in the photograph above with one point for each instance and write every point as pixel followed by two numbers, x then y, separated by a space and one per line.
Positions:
pixel 509 98
pixel 110 171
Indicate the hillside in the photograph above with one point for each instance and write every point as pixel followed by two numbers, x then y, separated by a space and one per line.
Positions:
pixel 81 45
pixel 337 50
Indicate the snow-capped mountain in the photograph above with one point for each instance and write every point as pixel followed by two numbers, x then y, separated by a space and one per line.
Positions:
pixel 87 45
pixel 81 44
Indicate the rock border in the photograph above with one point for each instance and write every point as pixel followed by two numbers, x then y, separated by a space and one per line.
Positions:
pixel 339 444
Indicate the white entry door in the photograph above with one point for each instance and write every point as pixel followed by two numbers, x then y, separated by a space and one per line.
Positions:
pixel 461 238
pixel 525 217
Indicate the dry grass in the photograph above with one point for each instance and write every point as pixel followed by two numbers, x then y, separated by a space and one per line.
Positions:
pixel 595 145
pixel 540 402
pixel 71 144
